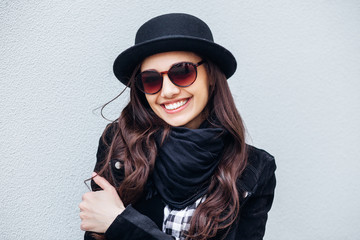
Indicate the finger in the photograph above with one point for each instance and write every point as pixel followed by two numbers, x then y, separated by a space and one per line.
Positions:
pixel 86 196
pixel 102 182
pixel 84 226
pixel 82 206
pixel 82 215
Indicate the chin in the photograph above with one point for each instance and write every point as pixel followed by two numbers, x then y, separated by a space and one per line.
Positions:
pixel 176 124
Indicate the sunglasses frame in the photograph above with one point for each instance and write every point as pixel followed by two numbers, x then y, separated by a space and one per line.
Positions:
pixel 166 72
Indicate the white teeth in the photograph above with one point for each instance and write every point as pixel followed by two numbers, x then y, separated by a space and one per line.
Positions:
pixel 176 105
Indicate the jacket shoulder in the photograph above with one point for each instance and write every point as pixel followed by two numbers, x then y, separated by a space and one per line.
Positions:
pixel 259 158
pixel 259 169
pixel 105 140
pixel 103 149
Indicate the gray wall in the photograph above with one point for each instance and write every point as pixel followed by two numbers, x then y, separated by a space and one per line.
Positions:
pixel 297 88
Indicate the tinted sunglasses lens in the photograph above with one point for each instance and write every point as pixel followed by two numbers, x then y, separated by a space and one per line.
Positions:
pixel 150 82
pixel 183 74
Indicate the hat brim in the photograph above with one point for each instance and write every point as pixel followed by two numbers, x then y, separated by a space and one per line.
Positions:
pixel 126 62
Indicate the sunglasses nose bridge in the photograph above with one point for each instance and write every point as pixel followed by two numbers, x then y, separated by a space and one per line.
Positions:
pixel 169 89
pixel 162 76
pixel 164 72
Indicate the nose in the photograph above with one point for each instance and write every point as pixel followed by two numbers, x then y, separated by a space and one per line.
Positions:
pixel 168 90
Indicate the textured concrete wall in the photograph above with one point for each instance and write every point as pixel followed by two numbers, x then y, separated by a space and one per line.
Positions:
pixel 297 88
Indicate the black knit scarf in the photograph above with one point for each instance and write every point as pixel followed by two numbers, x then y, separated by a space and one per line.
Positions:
pixel 186 161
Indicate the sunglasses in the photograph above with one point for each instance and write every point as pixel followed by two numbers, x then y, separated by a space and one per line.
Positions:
pixel 181 74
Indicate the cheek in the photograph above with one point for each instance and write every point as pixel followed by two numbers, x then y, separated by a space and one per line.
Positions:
pixel 205 85
pixel 151 99
pixel 205 98
pixel 202 96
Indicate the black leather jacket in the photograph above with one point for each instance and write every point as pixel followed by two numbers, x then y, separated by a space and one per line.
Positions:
pixel 256 186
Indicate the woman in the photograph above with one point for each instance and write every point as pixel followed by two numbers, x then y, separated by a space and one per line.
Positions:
pixel 175 164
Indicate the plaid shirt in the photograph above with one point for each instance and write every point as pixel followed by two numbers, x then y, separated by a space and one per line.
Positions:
pixel 177 222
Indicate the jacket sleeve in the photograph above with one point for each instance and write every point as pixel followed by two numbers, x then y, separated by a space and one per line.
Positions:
pixel 132 225
pixel 256 205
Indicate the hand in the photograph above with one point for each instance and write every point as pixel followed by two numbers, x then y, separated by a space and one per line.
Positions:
pixel 99 209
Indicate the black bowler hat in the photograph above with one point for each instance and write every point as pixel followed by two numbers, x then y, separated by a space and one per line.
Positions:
pixel 173 32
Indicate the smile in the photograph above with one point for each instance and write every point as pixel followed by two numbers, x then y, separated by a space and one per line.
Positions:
pixel 176 105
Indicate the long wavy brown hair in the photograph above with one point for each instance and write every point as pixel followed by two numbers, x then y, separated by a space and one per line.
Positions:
pixel 133 141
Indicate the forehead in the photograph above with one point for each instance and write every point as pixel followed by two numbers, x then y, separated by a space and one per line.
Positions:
pixel 163 61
